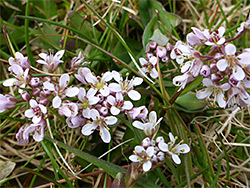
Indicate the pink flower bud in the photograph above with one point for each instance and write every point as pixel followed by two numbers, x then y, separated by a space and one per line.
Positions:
pixel 205 71
pixel 138 112
pixel 161 51
pixel 43 100
pixel 36 91
pixel 213 67
pixel 233 81
pixel 161 156
pixel 165 59
pixel 34 82
pixel 215 77
pixel 152 45
pixel 7 102
pixel 146 142
pixel 149 55
pixel 75 121
pixel 25 95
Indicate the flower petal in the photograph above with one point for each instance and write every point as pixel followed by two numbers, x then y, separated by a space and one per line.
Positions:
pixel 163 146
pixel 134 95
pixel 64 80
pixel 134 158
pixel 29 113
pixel 88 129
pixel 230 49
pixel 56 102
pixel 222 65
pixel 176 159
pixel 114 111
pixel 110 120
pixel 105 134
pixel 72 91
pixel 138 125
pixel 147 166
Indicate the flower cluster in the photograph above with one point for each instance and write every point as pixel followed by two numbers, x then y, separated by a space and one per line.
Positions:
pixel 151 152
pixel 92 106
pixel 225 71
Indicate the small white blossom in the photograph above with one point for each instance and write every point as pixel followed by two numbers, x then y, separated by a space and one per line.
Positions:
pixel 149 66
pixel 149 126
pixel 174 150
pixel 36 112
pixel 100 123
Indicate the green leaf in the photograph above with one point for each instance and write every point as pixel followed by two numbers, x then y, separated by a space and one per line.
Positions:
pixel 189 103
pixel 109 167
pixel 48 7
pixel 159 38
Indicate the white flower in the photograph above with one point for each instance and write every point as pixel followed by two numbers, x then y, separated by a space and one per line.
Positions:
pixel 86 100
pixel 82 72
pixel 216 38
pixel 118 105
pixel 126 86
pixel 217 90
pixel 149 66
pixel 51 61
pixel 238 96
pixel 100 123
pixel 68 109
pixel 37 130
pixel 143 157
pixel 233 62
pixel 21 77
pixel 174 150
pixel 36 112
pixel 100 83
pixel 149 127
pixel 61 90
pixel 183 80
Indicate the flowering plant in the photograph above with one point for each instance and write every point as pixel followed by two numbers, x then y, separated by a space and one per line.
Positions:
pixel 161 105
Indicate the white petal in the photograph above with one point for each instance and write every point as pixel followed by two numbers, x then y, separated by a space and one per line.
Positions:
pixel 238 72
pixel 107 76
pixel 105 135
pixel 88 129
pixel 56 102
pixel 93 100
pixel 137 81
pixel 222 64
pixel 81 94
pixel 150 151
pixel 139 149
pixel 36 119
pixel 91 78
pixel 104 91
pixel 114 111
pixel 71 92
pixel 43 108
pixel 42 62
pixel 163 146
pixel 171 137
pixel 115 87
pixel 207 82
pixel 117 76
pixel 176 159
pixel 33 103
pixel 17 69
pixel 111 100
pixel 110 120
pixel 119 96
pixel 91 92
pixel 154 73
pixel 230 49
pixel 244 58
pixel 152 117
pixel 134 158
pixel 186 66
pixel 65 111
pixel 10 82
pixel 59 54
pixel 49 86
pixel 183 148
pixel 64 80
pixel 127 105
pixel 204 93
pixel 29 113
pixel 94 114
pixel 221 100
pixel 147 166
pixel 143 61
pixel 43 55
pixel 221 31
pixel 153 60
pixel 134 95
pixel 221 41
pixel 138 125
